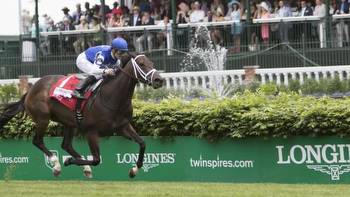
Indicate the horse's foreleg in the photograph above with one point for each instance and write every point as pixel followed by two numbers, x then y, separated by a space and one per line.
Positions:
pixel 130 131
pixel 38 141
pixel 66 145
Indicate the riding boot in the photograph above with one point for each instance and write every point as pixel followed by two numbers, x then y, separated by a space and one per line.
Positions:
pixel 82 85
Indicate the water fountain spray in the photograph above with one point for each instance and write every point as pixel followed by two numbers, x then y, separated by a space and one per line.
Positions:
pixel 205 55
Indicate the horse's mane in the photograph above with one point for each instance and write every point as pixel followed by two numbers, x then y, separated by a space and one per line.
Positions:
pixel 127 57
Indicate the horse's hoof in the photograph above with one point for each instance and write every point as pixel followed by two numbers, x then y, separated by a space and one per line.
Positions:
pixel 133 172
pixel 88 174
pixel 56 173
pixel 68 161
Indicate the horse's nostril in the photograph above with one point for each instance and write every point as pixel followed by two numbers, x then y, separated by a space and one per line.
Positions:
pixel 158 82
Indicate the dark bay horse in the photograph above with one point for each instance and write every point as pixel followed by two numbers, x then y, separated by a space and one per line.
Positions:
pixel 108 112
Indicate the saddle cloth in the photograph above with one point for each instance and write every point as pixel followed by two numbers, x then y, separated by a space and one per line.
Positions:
pixel 63 89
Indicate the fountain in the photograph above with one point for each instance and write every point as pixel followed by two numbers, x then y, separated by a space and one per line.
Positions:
pixel 205 55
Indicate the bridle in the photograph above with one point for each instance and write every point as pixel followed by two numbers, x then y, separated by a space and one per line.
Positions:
pixel 138 72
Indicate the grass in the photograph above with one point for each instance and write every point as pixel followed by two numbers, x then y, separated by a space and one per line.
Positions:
pixel 154 189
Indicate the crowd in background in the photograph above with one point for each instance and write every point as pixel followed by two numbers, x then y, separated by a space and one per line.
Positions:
pixel 158 12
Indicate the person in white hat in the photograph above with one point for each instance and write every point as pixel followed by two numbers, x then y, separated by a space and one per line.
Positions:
pixel 265 31
pixel 236 28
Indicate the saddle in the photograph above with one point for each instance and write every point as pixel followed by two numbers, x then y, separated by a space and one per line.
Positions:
pixel 62 91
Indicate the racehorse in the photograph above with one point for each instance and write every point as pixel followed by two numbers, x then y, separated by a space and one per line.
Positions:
pixel 109 111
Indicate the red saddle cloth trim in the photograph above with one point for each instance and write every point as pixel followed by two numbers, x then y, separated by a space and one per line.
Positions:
pixel 68 84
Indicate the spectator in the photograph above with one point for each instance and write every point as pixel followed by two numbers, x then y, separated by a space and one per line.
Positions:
pixel 320 10
pixel 80 43
pixel 51 26
pixel 215 33
pixel 26 20
pixel 77 14
pixel 253 46
pixel 126 14
pixel 66 14
pixel 116 20
pixel 88 13
pixel 265 31
pixel 275 8
pixel 342 27
pixel 197 15
pixel 283 11
pixel 182 33
pixel 67 39
pixel 48 41
pixel 155 13
pixel 204 7
pixel 116 9
pixel 135 18
pixel 236 28
pixel 97 37
pixel 333 9
pixel 162 35
pixel 104 11
pixel 45 22
pixel 305 10
pixel 146 20
pixel 96 11
pixel 165 9
pixel 217 10
pixel 67 25
pixel 182 15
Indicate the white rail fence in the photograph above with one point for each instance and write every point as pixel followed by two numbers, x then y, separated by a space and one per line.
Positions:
pixel 209 79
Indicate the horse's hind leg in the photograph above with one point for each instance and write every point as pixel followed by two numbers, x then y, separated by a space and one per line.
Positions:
pixel 93 138
pixel 130 133
pixel 38 141
pixel 66 145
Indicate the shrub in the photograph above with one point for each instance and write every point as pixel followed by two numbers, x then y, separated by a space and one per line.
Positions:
pixel 8 93
pixel 245 115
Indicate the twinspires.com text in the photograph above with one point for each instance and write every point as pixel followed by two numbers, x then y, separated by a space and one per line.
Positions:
pixel 220 163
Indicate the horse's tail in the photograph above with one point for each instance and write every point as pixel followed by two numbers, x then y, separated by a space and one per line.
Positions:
pixel 10 110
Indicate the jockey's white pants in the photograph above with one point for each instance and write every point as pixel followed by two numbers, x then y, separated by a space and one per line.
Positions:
pixel 87 67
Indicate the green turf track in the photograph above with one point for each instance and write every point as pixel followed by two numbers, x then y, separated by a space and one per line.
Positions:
pixel 137 188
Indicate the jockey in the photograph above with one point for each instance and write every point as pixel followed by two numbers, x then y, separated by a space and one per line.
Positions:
pixel 98 61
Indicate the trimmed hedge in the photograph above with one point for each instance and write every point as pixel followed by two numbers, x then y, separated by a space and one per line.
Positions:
pixel 245 115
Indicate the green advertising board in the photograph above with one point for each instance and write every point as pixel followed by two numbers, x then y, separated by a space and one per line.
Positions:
pixel 291 160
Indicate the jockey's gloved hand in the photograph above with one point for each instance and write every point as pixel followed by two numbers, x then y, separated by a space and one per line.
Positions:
pixel 109 71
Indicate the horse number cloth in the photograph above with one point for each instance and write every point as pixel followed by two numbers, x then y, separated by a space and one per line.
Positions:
pixel 62 91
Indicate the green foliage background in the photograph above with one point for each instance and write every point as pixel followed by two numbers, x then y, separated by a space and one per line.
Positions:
pixel 246 115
